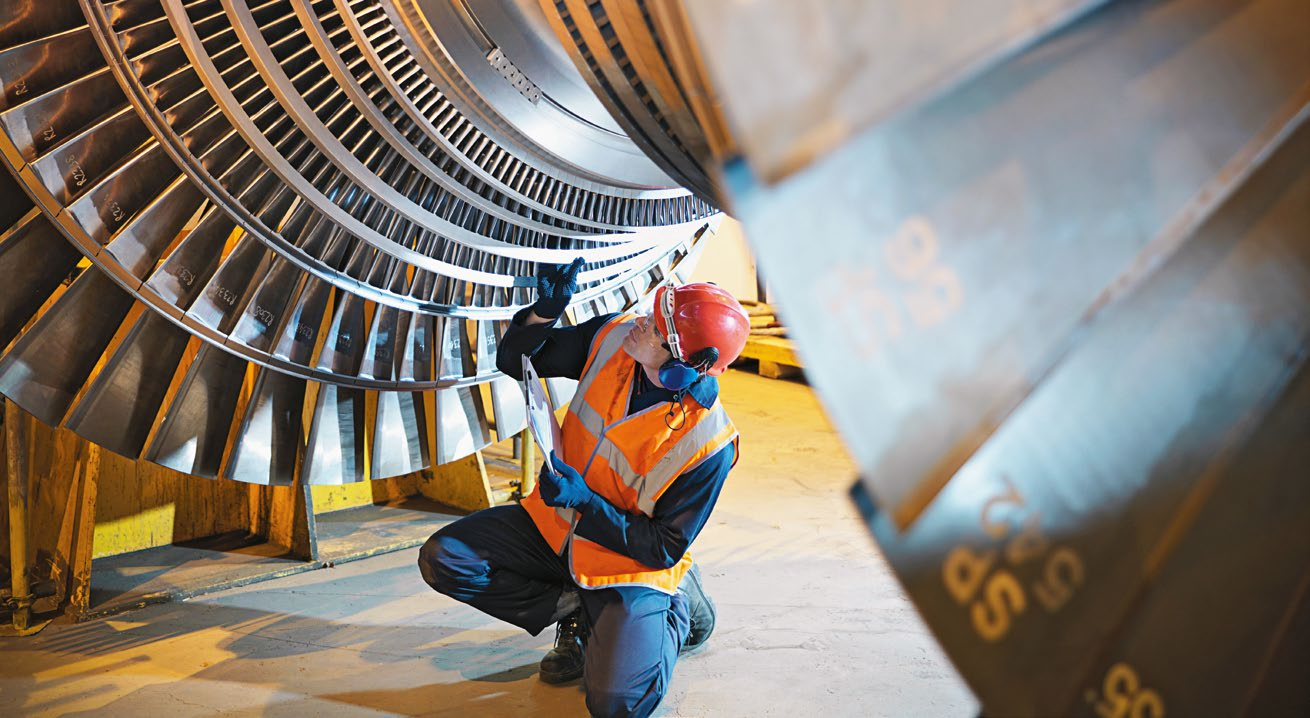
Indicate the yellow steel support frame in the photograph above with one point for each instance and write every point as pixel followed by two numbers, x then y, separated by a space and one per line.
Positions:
pixel 17 476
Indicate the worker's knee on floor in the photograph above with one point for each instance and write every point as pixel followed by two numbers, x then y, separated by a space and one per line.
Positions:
pixel 608 704
pixel 428 557
pixel 448 563
pixel 604 703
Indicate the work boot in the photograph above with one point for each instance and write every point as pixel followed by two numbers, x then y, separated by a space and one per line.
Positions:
pixel 700 608
pixel 564 662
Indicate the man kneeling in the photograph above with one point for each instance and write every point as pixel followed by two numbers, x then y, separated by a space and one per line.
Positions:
pixel 600 547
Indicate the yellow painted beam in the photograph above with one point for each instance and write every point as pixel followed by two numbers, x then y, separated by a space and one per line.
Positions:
pixel 346 496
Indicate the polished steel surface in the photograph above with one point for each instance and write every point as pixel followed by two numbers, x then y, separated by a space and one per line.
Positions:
pixel 193 428
pixel 638 59
pixel 1199 512
pixel 798 80
pixel 979 264
pixel 507 51
pixel 214 211
pixel 1048 266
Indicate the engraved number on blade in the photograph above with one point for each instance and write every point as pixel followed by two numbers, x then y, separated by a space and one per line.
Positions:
pixel 264 316
pixel 78 174
pixel 1124 697
pixel 984 578
pixel 225 295
pixel 922 292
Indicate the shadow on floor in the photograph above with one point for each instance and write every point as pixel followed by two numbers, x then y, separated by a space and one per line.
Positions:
pixel 337 650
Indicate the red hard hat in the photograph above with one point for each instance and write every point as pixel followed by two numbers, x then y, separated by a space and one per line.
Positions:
pixel 704 315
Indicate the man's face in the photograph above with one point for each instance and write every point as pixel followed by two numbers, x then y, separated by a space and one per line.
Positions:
pixel 645 344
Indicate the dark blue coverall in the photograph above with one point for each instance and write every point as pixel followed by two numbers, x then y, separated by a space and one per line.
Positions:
pixel 496 561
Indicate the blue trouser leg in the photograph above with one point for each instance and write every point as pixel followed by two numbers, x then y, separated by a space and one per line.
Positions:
pixel 496 561
pixel 635 637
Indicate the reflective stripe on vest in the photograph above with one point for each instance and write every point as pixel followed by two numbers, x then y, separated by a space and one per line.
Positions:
pixel 628 460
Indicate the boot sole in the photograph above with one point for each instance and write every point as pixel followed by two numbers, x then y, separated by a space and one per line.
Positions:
pixel 557 678
pixel 693 650
pixel 714 617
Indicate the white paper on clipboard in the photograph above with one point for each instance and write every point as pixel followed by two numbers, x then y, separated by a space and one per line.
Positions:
pixel 541 418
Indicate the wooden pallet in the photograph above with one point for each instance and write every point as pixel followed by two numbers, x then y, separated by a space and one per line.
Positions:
pixel 776 356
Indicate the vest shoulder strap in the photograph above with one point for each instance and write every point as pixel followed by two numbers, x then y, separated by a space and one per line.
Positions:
pixel 608 341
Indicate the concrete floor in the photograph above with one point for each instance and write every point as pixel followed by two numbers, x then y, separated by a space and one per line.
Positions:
pixel 811 622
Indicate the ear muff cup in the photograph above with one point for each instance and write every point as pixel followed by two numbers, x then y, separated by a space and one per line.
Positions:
pixel 677 376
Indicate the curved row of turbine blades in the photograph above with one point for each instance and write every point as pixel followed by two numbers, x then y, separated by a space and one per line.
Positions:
pixel 242 238
pixel 642 60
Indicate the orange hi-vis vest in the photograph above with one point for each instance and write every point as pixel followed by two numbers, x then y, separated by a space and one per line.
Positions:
pixel 628 460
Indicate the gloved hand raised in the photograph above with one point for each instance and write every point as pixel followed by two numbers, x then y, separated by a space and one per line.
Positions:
pixel 567 489
pixel 555 286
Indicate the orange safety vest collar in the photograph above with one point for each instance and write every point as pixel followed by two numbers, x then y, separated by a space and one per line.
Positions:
pixel 630 460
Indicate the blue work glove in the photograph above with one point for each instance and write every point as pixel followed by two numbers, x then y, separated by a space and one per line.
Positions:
pixel 555 286
pixel 567 489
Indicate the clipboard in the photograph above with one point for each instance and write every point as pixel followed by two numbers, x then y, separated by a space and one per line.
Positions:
pixel 541 417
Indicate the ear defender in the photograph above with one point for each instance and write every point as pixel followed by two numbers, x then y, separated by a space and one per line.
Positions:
pixel 677 375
